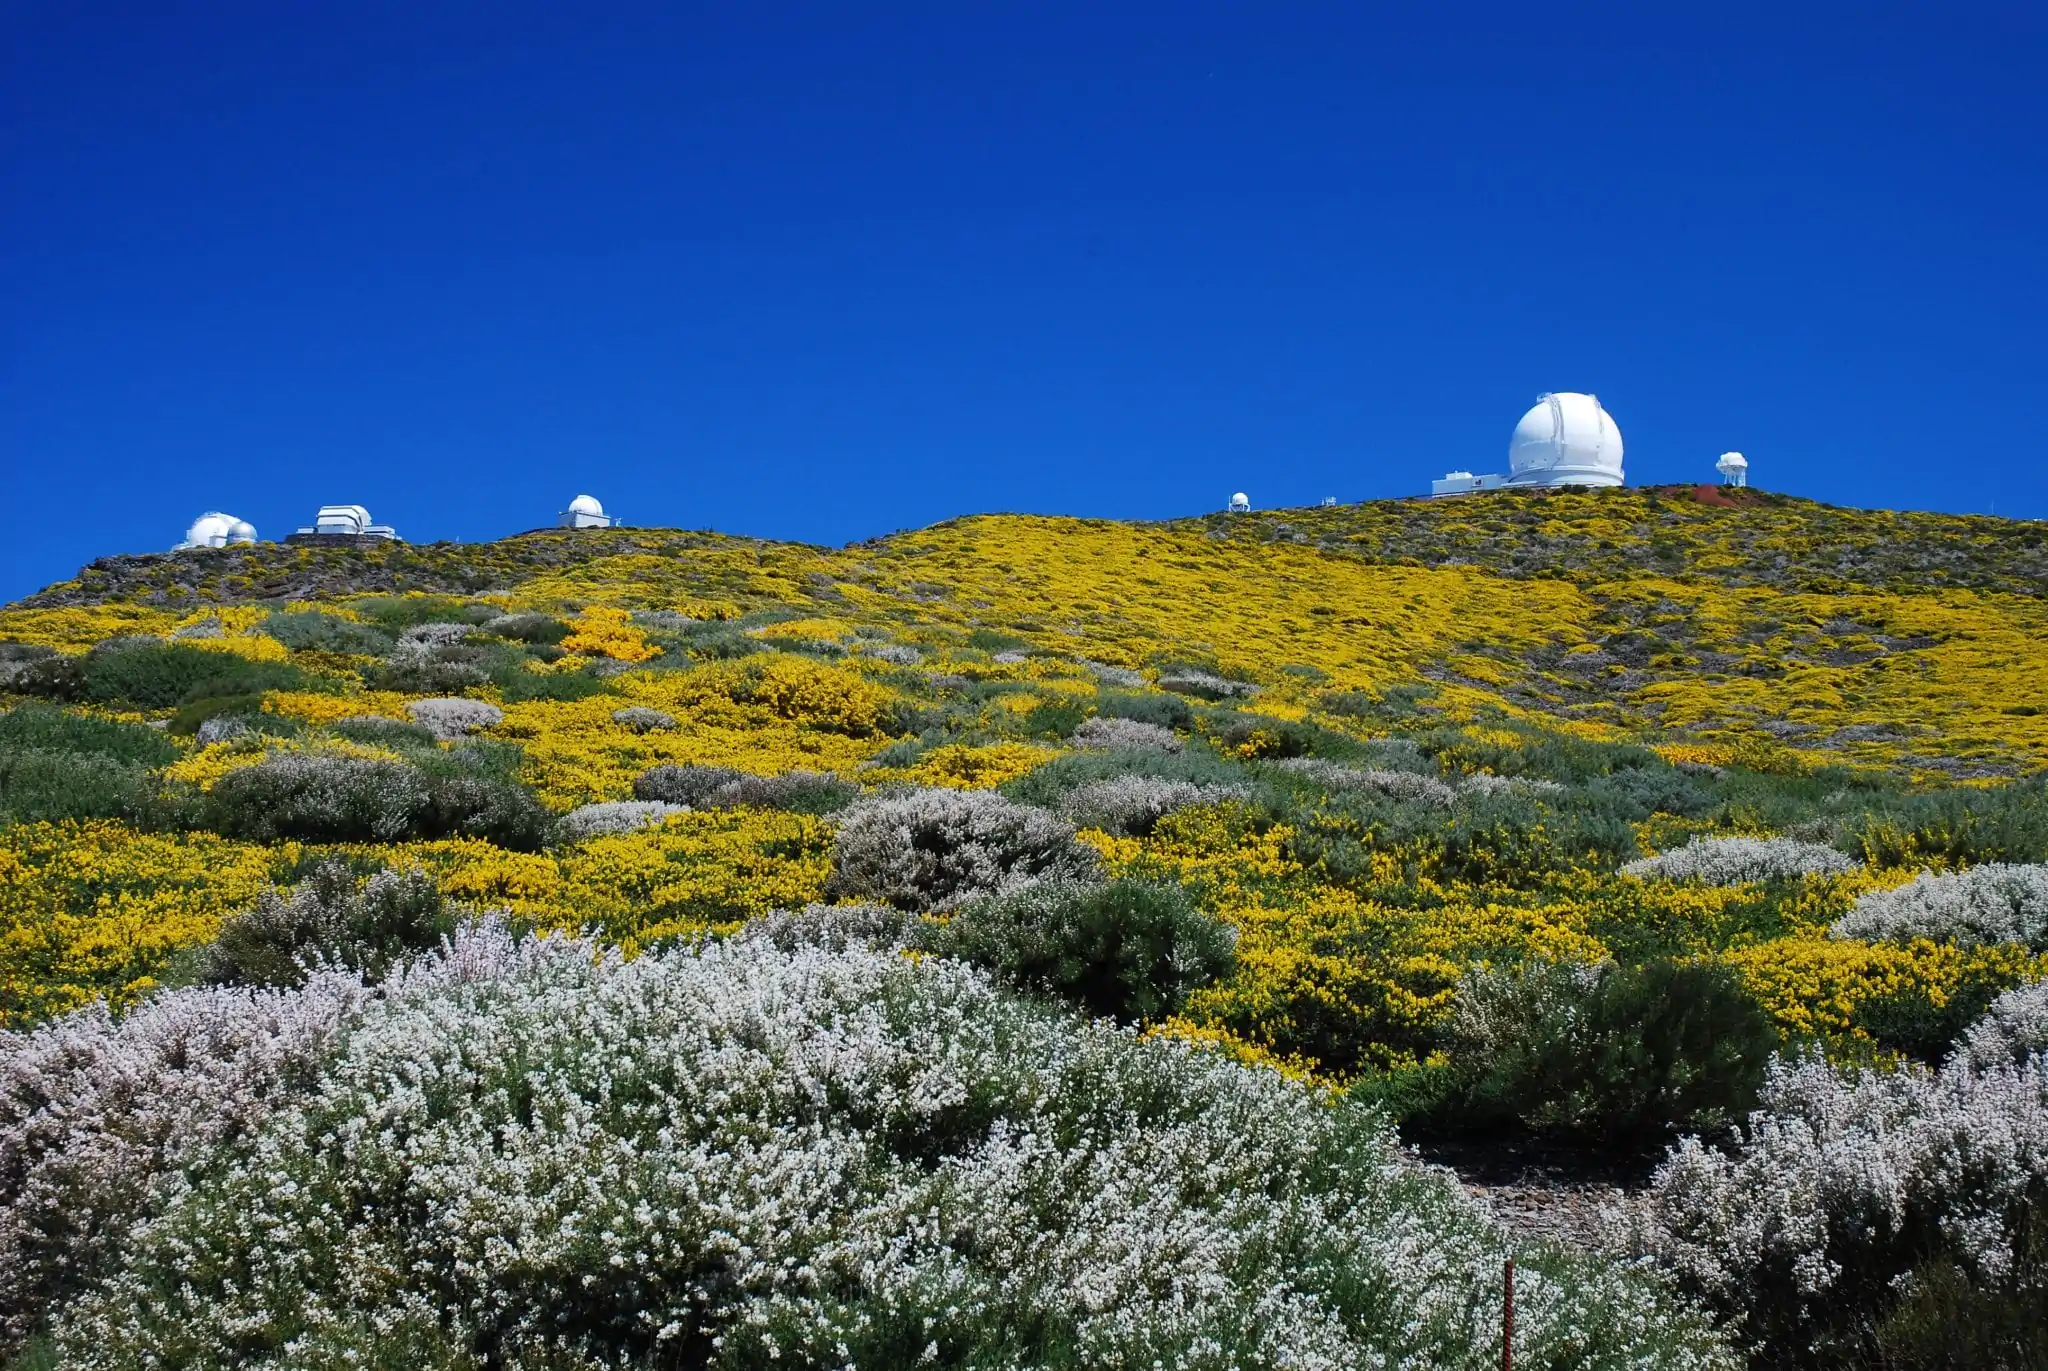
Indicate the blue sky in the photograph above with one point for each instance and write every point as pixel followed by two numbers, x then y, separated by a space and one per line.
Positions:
pixel 826 271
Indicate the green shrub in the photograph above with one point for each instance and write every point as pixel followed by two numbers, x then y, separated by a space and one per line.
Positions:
pixel 397 613
pixel 1054 718
pixel 1958 827
pixel 516 686
pixel 44 784
pixel 57 730
pixel 314 631
pixel 1621 1058
pixel 160 675
pixel 331 916
pixel 51 678
pixel 376 732
pixel 1158 707
pixel 1129 950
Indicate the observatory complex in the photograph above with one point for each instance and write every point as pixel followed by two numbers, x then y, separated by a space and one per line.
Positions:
pixel 1566 439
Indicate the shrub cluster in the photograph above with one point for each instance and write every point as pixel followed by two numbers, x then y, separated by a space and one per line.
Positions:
pixel 935 849
pixel 1995 903
pixel 1739 861
pixel 1128 950
pixel 720 787
pixel 740 1157
pixel 317 798
pixel 1112 733
pixel 1844 1192
pixel 1617 1057
pixel 2012 1030
pixel 449 719
pixel 58 765
pixel 641 719
pixel 615 816
pixel 330 918
pixel 1395 785
pixel 1131 805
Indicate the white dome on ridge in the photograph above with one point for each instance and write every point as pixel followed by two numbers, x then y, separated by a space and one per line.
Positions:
pixel 1566 439
pixel 585 504
pixel 214 529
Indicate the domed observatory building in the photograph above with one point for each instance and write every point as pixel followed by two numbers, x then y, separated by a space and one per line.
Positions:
pixel 1240 503
pixel 585 512
pixel 1734 469
pixel 214 529
pixel 1566 439
pixel 344 524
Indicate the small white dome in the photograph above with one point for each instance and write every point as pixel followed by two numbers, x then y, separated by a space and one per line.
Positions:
pixel 1566 439
pixel 1732 461
pixel 585 504
pixel 1240 501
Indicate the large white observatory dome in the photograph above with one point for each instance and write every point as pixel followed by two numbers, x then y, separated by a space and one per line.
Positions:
pixel 585 512
pixel 1567 439
pixel 214 529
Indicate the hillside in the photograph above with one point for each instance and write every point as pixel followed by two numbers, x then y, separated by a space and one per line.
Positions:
pixel 1529 820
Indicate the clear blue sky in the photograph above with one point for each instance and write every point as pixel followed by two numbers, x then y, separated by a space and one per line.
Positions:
pixel 826 271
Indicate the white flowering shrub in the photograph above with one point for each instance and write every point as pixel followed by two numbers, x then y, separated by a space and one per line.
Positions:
pixel 1738 861
pixel 932 849
pixel 1486 783
pixel 449 719
pixel 93 1112
pixel 1108 733
pixel 1841 1185
pixel 1204 685
pixel 1132 804
pixel 1993 903
pixel 530 1154
pixel 435 635
pixel 831 927
pixel 641 719
pixel 219 729
pixel 615 816
pixel 1116 677
pixel 2012 1030
pixel 1397 785
pixel 319 798
pixel 896 654
pixel 720 787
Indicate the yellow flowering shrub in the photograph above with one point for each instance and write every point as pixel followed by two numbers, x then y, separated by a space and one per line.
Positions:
pixel 92 909
pixel 1813 984
pixel 604 631
pixel 697 873
pixel 966 768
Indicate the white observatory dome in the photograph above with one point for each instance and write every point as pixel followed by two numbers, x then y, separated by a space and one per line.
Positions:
pixel 1734 469
pixel 1567 439
pixel 585 512
pixel 1240 503
pixel 214 529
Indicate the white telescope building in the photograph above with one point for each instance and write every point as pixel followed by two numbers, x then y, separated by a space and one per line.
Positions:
pixel 1734 469
pixel 1566 439
pixel 347 521
pixel 585 512
pixel 214 529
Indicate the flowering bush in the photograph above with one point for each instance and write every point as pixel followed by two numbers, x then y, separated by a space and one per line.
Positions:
pixel 744 1155
pixel 615 816
pixel 95 1111
pixel 719 787
pixel 448 719
pixel 1134 804
pixel 1114 734
pixel 319 798
pixel 433 635
pixel 1994 903
pixel 1395 785
pixel 331 917
pixel 933 849
pixel 641 719
pixel 1738 861
pixel 2015 1029
pixel 1842 1186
